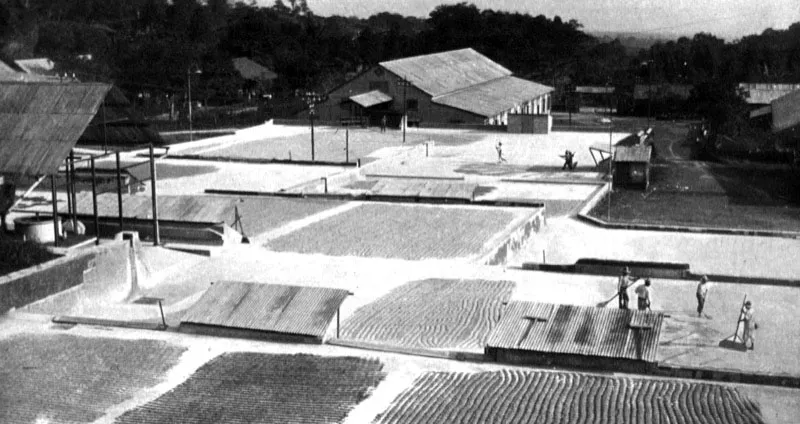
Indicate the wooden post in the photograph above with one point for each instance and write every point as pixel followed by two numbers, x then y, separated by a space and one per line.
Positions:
pixel 68 187
pixel 544 257
pixel 74 195
pixel 325 182
pixel 119 192
pixel 337 322
pixel 160 308
pixel 94 206
pixel 346 144
pixel 55 209
pixel 156 235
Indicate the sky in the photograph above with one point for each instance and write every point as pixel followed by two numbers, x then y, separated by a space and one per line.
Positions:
pixel 728 19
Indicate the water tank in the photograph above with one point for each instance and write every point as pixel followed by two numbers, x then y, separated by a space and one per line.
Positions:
pixel 38 229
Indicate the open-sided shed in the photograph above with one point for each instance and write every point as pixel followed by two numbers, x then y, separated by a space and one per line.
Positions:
pixel 632 166
pixel 576 336
pixel 265 311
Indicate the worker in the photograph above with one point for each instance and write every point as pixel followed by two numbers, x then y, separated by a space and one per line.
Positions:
pixel 750 325
pixel 625 281
pixel 569 163
pixel 644 295
pixel 499 148
pixel 702 292
pixel 383 123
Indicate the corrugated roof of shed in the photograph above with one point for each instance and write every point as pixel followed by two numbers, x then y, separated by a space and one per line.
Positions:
pixel 633 153
pixel 41 121
pixel 577 330
pixel 786 111
pixel 493 97
pixel 275 308
pixel 441 73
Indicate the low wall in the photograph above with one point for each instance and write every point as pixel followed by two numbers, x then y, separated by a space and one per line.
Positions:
pixel 243 333
pixel 102 265
pixel 525 357
pixel 351 175
pixel 515 240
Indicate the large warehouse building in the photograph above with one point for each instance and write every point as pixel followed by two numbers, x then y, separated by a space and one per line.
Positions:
pixel 455 87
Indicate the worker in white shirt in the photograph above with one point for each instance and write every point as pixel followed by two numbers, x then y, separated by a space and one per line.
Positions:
pixel 702 292
pixel 645 296
pixel 625 280
pixel 750 325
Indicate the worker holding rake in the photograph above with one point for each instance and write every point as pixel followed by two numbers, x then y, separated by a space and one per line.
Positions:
pixel 625 280
pixel 702 293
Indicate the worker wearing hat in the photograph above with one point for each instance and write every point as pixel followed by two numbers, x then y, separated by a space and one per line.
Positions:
pixel 625 281
pixel 750 325
pixel 702 292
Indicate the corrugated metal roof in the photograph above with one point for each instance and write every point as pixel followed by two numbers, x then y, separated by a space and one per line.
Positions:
pixel 493 97
pixel 577 330
pixel 195 209
pixel 786 111
pixel 421 188
pixel 441 73
pixel 251 70
pixel 267 307
pixel 762 94
pixel 371 98
pixel 763 110
pixel 40 122
pixel 633 153
pixel 594 89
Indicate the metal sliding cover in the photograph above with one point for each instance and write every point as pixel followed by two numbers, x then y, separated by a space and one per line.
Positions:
pixel 578 330
pixel 275 308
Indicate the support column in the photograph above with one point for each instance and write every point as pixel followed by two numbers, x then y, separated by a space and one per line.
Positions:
pixel 55 209
pixel 119 192
pixel 156 235
pixel 94 205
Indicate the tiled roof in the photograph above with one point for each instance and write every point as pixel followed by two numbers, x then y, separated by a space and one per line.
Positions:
pixel 441 73
pixel 493 97
pixel 294 310
pixel 577 330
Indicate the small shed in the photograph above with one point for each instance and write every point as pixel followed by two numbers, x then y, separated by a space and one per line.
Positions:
pixel 273 312
pixel 576 336
pixel 632 166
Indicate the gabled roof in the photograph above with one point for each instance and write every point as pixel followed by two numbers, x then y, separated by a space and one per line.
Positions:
pixel 253 71
pixel 371 98
pixel 493 97
pixel 41 121
pixel 578 330
pixel 786 111
pixel 441 73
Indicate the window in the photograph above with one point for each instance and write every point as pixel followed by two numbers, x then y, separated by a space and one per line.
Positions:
pixel 412 104
pixel 379 85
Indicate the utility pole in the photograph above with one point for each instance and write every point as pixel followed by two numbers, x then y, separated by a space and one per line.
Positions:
pixel 610 152
pixel 404 83
pixel 346 144
pixel 649 89
pixel 189 73
pixel 311 113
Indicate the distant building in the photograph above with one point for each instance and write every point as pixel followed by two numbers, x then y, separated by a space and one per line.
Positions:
pixel 661 99
pixel 453 87
pixel 258 78
pixel 764 94
pixel 599 98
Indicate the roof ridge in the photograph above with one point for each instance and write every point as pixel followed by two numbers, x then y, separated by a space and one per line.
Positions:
pixel 469 87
